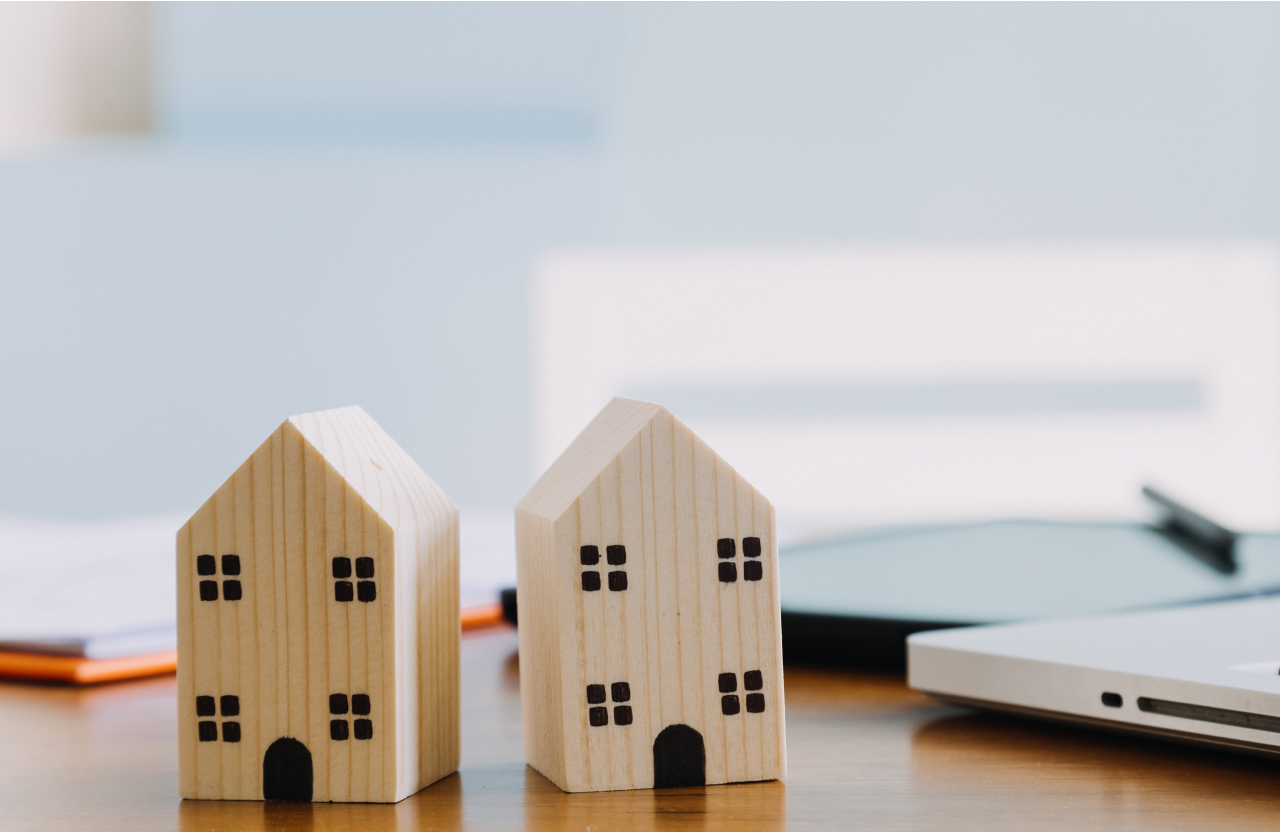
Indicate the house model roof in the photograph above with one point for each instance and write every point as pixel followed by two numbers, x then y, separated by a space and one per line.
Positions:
pixel 371 462
pixel 602 440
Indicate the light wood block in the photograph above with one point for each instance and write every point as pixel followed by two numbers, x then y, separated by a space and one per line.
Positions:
pixel 681 608
pixel 318 622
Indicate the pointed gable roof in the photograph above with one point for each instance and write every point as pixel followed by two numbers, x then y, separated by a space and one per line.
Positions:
pixel 371 462
pixel 602 440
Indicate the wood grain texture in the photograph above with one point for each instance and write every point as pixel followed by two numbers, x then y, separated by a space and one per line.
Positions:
pixel 692 644
pixel 324 486
pixel 864 752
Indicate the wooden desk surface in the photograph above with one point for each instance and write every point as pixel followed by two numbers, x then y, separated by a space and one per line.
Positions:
pixel 864 752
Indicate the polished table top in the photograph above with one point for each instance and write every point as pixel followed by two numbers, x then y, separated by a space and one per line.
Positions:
pixel 863 752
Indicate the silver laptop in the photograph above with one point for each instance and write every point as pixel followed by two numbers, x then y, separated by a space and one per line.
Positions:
pixel 1207 673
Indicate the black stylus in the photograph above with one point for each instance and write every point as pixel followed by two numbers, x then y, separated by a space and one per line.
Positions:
pixel 1207 541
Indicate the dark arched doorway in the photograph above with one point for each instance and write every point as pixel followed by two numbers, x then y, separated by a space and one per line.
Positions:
pixel 679 758
pixel 286 771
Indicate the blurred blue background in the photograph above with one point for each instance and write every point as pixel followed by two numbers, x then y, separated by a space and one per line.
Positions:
pixel 341 203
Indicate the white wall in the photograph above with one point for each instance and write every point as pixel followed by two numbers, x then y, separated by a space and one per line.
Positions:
pixel 343 201
pixel 402 72
pixel 788 121
pixel 922 121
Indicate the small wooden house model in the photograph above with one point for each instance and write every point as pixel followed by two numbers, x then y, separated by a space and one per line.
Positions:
pixel 318 622
pixel 650 626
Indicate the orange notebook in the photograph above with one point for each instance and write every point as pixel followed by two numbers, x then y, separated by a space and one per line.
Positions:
pixel 77 670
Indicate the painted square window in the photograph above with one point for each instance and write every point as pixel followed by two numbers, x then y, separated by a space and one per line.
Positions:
pixel 230 706
pixel 728 682
pixel 622 715
pixel 728 572
pixel 208 731
pixel 231 732
pixel 589 555
pixel 595 694
pixel 751 547
pixel 598 716
pixel 752 570
pixel 617 581
pixel 590 581
pixel 343 591
pixel 341 567
pixel 753 680
pixel 616 555
pixel 366 591
pixel 205 706
pixel 621 692
pixel 341 729
pixel 726 547
pixel 729 704
pixel 208 565
pixel 364 567
pixel 755 703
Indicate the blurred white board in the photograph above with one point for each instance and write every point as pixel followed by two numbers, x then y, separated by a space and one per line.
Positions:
pixel 864 386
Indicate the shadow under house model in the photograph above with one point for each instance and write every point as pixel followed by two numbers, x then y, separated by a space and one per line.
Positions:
pixel 650 630
pixel 318 624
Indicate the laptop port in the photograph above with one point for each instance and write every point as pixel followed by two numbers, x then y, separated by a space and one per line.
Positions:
pixel 1112 700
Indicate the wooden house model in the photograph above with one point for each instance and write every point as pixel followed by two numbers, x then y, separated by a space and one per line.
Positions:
pixel 650 628
pixel 318 623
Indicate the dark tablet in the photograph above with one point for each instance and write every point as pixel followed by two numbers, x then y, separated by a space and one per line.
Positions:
pixel 853 601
